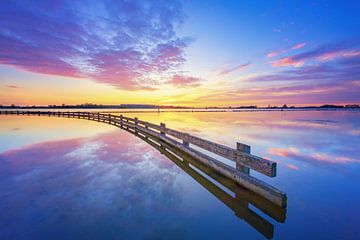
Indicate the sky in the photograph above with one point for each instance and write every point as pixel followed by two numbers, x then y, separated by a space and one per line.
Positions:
pixel 181 53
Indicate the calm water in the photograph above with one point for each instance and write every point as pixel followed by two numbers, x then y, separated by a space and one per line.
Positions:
pixel 76 179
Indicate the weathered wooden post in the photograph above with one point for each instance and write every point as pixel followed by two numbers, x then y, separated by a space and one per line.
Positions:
pixel 98 117
pixel 136 123
pixel 162 128
pixel 147 127
pixel 246 149
pixel 121 121
pixel 17 112
pixel 186 143
pixel 162 132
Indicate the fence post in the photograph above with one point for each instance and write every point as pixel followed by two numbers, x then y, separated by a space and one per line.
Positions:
pixel 162 128
pixel 121 121
pixel 186 143
pixel 136 123
pixel 246 149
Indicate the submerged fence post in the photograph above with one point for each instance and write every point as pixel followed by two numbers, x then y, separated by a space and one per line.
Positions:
pixel 246 149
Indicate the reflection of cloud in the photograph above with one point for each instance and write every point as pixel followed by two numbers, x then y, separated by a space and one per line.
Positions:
pixel 78 182
pixel 355 132
pixel 283 152
pixel 311 157
pixel 121 44
pixel 292 166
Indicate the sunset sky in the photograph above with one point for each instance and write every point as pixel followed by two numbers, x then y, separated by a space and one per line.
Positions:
pixel 188 53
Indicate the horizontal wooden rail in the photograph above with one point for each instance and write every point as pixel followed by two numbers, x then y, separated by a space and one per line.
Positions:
pixel 241 155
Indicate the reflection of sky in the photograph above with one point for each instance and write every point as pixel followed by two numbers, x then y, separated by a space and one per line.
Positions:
pixel 97 181
pixel 317 138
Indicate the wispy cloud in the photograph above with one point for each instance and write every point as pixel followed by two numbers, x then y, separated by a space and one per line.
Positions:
pixel 233 69
pixel 122 45
pixel 282 51
pixel 320 54
pixel 298 46
pixel 12 86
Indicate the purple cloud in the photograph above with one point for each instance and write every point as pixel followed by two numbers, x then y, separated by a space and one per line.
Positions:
pixel 182 81
pixel 321 54
pixel 121 43
pixel 233 69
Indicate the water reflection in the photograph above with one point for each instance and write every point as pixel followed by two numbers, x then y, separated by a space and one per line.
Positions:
pixel 69 178
pixel 327 139
pixel 88 188
pixel 243 197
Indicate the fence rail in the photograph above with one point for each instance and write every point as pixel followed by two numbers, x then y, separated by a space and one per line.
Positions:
pixel 241 155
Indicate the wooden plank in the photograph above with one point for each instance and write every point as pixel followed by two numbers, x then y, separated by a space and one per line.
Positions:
pixel 258 164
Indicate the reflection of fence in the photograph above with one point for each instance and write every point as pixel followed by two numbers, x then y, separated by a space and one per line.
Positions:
pixel 180 140
pixel 240 198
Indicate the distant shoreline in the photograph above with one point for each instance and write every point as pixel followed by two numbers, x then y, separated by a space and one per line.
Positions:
pixel 189 110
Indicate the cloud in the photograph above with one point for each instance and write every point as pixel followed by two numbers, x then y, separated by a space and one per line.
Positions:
pixel 12 86
pixel 321 54
pixel 298 46
pixel 182 81
pixel 275 53
pixel 121 43
pixel 295 47
pixel 288 61
pixel 233 69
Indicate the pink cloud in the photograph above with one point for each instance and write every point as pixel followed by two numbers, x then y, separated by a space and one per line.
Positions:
pixel 100 46
pixel 292 166
pixel 288 61
pixel 338 54
pixel 182 81
pixel 282 152
pixel 298 46
pixel 276 53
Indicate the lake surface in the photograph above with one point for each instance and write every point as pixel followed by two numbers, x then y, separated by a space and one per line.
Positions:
pixel 77 179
